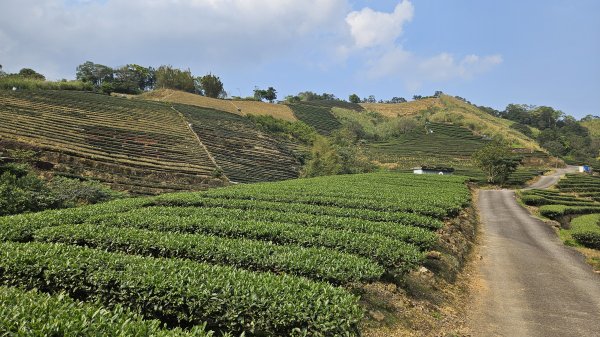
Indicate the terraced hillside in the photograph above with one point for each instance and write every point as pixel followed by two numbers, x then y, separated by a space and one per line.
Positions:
pixel 144 147
pixel 270 259
pixel 140 146
pixel 241 151
pixel 238 107
pixel 318 114
pixel 576 194
pixel 447 109
pixel 440 144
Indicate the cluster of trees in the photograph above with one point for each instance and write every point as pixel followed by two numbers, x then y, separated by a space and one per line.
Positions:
pixel 134 79
pixel 270 94
pixel 22 189
pixel 27 73
pixel 307 96
pixel 562 135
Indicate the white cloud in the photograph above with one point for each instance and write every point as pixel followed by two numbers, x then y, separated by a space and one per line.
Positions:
pixel 375 36
pixel 182 32
pixel 370 28
pixel 415 70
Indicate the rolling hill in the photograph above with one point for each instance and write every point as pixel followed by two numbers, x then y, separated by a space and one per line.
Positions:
pixel 238 107
pixel 167 141
pixel 140 146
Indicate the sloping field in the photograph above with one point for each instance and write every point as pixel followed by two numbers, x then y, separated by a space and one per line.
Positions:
pixel 280 111
pixel 442 145
pixel 447 109
pixel 244 153
pixel 318 114
pixel 127 143
pixel 404 109
pixel 577 194
pixel 270 259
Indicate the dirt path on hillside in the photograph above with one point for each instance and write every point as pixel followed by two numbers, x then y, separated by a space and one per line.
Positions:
pixel 530 284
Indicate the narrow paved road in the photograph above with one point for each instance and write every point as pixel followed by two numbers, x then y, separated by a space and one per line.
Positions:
pixel 530 283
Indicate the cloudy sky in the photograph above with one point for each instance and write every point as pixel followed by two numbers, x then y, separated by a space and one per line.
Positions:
pixel 542 52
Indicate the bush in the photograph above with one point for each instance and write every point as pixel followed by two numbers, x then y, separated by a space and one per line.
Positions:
pixel 185 293
pixel 73 192
pixel 586 230
pixel 10 82
pixel 291 130
pixel 31 313
pixel 21 190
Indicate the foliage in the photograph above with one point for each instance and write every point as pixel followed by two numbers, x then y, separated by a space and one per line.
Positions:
pixel 168 77
pixel 32 74
pixel 586 230
pixel 250 258
pixel 315 263
pixel 32 313
pixel 21 190
pixel 270 94
pixel 497 161
pixel 354 99
pixel 338 155
pixel 297 130
pixel 324 159
pixel 227 298
pixel 10 82
pixel 69 192
pixel 309 96
pixel 522 128
pixel 211 86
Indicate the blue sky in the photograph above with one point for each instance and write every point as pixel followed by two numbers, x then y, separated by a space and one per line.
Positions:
pixel 490 52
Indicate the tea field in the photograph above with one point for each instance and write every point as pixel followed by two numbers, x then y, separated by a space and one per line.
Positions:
pixel 268 259
pixel 575 203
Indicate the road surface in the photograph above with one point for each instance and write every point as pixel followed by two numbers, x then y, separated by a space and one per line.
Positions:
pixel 530 284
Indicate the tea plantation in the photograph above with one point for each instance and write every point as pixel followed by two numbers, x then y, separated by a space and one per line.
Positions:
pixel 268 259
pixel 576 194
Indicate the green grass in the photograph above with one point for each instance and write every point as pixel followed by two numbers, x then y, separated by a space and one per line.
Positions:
pixel 10 82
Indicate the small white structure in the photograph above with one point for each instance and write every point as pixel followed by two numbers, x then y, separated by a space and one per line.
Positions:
pixel 433 170
pixel 585 169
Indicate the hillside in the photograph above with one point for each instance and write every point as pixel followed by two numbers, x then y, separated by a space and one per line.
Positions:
pixel 306 257
pixel 447 109
pixel 135 145
pixel 593 127
pixel 239 107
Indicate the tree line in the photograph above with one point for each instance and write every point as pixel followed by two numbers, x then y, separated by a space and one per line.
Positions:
pixel 135 79
pixel 562 135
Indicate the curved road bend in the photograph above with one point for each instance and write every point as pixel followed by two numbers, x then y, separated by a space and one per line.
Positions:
pixel 531 284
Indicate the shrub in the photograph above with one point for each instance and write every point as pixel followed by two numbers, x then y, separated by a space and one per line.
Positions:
pixel 31 313
pixel 586 230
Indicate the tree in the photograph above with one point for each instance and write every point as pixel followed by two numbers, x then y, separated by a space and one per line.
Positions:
pixel 398 100
pixel 371 99
pixel 2 73
pixel 133 79
pixel 417 97
pixel 211 86
pixel 497 161
pixel 168 77
pixel 32 74
pixel 354 98
pixel 94 73
pixel 270 94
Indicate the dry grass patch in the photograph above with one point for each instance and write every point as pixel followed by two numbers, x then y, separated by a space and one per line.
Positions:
pixel 404 109
pixel 243 108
